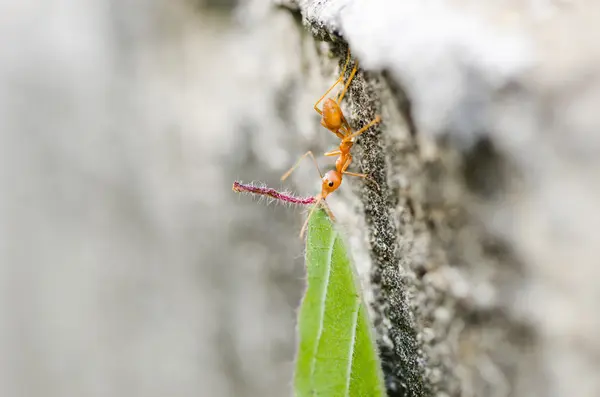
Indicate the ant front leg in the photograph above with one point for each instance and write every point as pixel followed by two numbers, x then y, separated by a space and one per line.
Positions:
pixel 320 202
pixel 328 210
pixel 314 207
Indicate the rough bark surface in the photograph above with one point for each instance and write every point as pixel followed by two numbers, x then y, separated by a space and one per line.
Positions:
pixel 129 268
pixel 478 143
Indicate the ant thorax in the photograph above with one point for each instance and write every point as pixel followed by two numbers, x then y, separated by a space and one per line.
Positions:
pixel 345 146
pixel 339 163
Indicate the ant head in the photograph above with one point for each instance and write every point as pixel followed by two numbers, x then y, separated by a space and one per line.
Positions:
pixel 331 181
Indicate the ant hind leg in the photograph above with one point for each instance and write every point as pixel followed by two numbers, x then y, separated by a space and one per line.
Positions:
pixel 350 78
pixel 365 176
pixel 339 80
pixel 324 95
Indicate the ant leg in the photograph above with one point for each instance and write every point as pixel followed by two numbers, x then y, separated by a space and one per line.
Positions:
pixel 328 210
pixel 365 176
pixel 366 127
pixel 345 127
pixel 356 174
pixel 339 100
pixel 337 133
pixel 340 79
pixel 347 62
pixel 333 153
pixel 324 95
pixel 325 207
pixel 345 65
pixel 309 153
pixel 309 215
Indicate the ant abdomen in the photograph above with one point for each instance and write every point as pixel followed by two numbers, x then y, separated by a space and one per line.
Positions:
pixel 332 115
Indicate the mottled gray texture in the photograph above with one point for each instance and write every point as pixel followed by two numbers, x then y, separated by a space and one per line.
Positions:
pixel 392 315
pixel 496 181
pixel 128 267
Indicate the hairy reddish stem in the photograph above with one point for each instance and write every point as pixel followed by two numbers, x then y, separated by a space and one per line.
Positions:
pixel 266 191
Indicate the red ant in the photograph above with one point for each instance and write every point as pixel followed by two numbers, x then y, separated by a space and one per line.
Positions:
pixel 333 119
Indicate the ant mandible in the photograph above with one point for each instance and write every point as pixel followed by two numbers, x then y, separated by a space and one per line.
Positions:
pixel 333 119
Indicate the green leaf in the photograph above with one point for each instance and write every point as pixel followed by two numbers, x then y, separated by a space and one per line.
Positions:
pixel 337 354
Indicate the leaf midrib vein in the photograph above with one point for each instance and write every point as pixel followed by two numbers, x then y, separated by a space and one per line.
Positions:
pixel 323 300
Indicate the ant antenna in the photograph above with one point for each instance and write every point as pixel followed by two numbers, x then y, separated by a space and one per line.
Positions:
pixel 309 153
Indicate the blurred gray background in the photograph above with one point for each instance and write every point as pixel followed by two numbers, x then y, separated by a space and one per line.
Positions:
pixel 128 267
